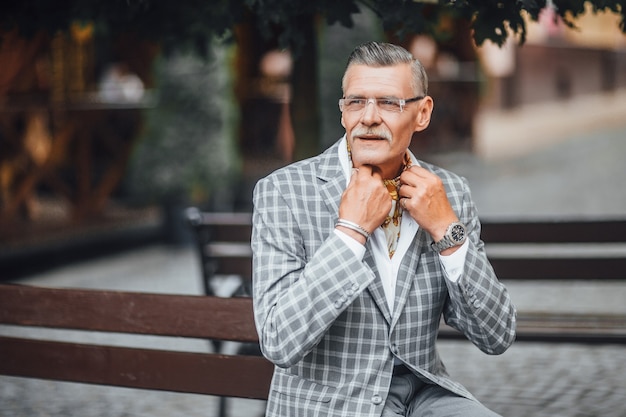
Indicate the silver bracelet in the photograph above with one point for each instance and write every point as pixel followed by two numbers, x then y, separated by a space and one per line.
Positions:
pixel 353 226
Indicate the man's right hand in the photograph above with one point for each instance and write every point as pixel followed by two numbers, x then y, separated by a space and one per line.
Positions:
pixel 365 201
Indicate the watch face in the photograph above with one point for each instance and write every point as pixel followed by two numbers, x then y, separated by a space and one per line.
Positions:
pixel 457 233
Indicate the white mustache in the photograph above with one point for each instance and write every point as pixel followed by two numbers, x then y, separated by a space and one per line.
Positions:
pixel 362 131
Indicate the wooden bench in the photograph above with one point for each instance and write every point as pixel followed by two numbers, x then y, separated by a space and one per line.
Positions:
pixel 243 376
pixel 531 250
pixel 177 316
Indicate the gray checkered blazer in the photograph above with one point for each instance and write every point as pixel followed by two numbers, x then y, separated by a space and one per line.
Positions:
pixel 322 316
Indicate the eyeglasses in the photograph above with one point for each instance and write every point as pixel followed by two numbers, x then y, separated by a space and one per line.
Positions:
pixel 392 105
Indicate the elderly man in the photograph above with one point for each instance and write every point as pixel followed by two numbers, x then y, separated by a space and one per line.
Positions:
pixel 358 253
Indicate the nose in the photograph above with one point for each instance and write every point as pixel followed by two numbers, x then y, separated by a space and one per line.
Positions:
pixel 371 115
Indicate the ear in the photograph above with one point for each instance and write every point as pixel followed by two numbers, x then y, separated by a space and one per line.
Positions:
pixel 425 110
pixel 342 122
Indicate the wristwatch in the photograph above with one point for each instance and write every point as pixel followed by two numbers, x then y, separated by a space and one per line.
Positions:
pixel 455 236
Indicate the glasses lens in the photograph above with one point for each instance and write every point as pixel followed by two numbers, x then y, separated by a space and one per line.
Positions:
pixel 354 104
pixel 389 104
pixel 357 104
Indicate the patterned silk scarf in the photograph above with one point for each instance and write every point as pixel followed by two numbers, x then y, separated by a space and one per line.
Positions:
pixel 391 225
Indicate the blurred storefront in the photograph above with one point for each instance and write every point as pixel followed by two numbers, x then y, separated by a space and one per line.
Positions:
pixel 70 112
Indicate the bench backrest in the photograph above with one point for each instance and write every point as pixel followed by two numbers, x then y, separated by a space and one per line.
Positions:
pixel 137 313
pixel 593 249
pixel 583 250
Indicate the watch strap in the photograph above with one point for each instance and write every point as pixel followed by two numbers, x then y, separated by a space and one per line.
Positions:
pixel 455 236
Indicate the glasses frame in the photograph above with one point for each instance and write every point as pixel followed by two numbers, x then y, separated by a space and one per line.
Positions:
pixel 401 102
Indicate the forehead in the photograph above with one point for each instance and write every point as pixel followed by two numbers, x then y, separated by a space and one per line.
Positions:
pixel 363 80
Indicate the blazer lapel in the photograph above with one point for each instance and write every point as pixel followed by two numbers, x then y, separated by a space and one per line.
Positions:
pixel 376 287
pixel 333 183
pixel 407 273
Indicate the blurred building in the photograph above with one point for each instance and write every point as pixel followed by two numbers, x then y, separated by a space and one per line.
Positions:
pixel 561 81
pixel 70 111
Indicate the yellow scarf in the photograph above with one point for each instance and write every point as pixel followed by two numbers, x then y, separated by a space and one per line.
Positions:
pixel 391 225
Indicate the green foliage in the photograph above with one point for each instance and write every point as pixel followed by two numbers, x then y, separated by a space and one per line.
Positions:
pixel 569 9
pixel 175 25
pixel 190 24
pixel 492 19
pixel 285 15
pixel 406 17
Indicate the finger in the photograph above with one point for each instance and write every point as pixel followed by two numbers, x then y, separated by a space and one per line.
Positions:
pixel 416 174
pixel 417 170
pixel 406 190
pixel 422 174
pixel 374 171
pixel 365 169
pixel 408 177
pixel 363 174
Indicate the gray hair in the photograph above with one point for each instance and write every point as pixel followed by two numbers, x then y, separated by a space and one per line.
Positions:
pixel 377 54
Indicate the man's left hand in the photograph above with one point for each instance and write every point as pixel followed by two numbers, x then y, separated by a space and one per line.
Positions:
pixel 423 195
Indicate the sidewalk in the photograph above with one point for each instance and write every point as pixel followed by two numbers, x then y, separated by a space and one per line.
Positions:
pixel 580 178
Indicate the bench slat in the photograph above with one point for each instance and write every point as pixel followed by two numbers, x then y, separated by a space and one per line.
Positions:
pixel 126 312
pixel 232 318
pixel 226 247
pixel 545 231
pixel 559 268
pixel 233 266
pixel 546 333
pixel 562 328
pixel 200 373
pixel 222 227
pixel 506 267
pixel 233 227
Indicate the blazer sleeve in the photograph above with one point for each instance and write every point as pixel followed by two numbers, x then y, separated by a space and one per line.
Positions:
pixel 298 293
pixel 479 305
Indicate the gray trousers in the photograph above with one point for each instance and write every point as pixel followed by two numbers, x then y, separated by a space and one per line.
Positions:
pixel 410 397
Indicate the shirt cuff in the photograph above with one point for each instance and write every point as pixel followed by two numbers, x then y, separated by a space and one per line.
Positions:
pixel 453 264
pixel 353 244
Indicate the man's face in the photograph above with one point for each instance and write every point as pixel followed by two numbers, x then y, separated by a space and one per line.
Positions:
pixel 377 137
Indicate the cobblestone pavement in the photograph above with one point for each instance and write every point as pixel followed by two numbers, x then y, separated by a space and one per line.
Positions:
pixel 529 380
pixel 543 380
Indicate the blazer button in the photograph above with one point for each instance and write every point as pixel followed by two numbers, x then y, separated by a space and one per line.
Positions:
pixel 377 399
